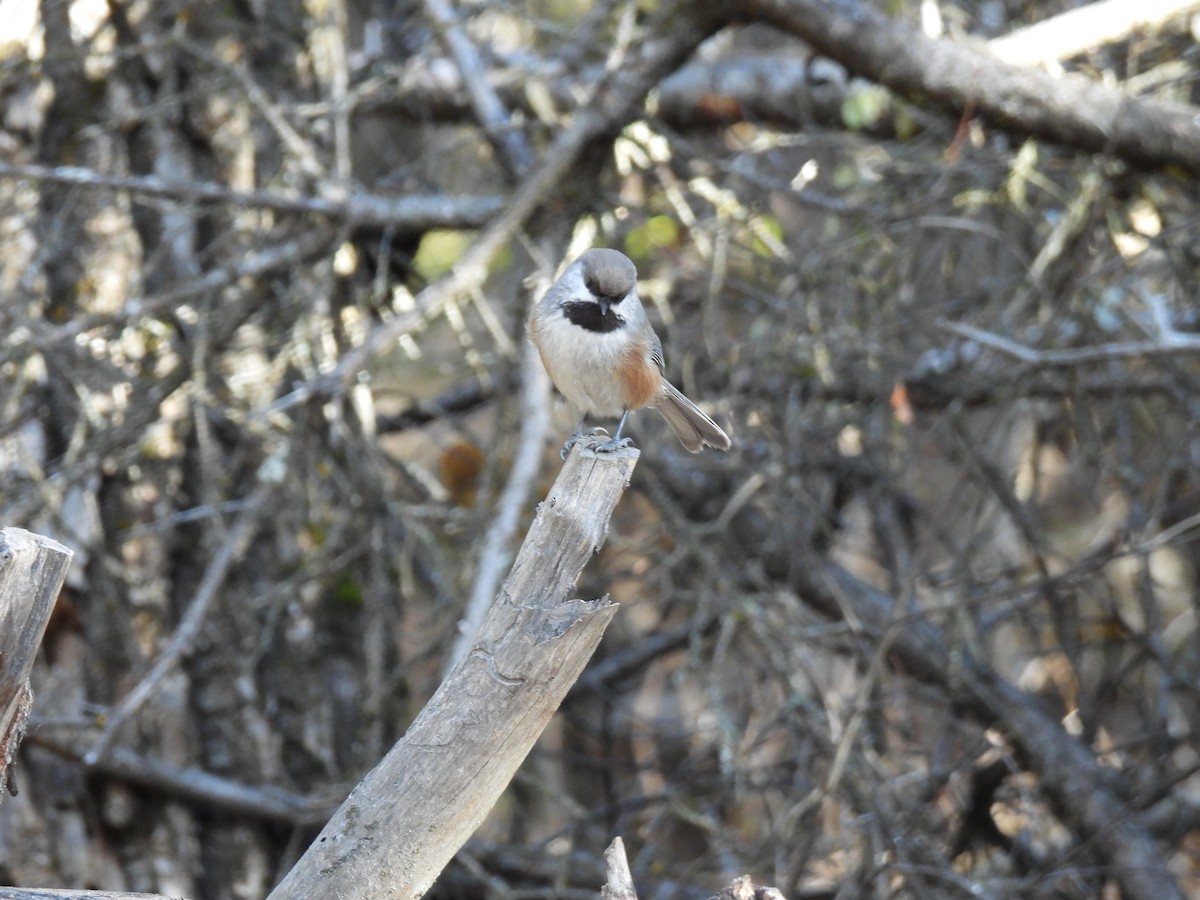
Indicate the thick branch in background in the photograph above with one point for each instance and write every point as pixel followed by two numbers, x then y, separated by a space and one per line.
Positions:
pixel 32 571
pixel 1075 30
pixel 406 820
pixel 786 91
pixel 782 91
pixel 967 78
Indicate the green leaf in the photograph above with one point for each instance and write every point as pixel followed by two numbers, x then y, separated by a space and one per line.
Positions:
pixel 654 234
pixel 439 250
pixel 348 592
pixel 863 107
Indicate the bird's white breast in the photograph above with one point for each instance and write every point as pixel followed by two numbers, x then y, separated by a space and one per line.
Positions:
pixel 582 364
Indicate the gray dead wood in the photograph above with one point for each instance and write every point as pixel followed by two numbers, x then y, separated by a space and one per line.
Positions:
pixel 412 214
pixel 619 885
pixel 965 77
pixel 32 569
pixel 397 830
pixel 64 894
pixel 743 888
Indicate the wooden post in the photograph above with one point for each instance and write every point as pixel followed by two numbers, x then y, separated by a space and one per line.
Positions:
pixel 32 569
pixel 619 885
pixel 404 822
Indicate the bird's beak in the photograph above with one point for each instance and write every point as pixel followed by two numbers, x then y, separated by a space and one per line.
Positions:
pixel 604 305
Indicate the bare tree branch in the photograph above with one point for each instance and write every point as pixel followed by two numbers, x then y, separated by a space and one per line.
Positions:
pixel 510 143
pixel 966 78
pixel 620 880
pixel 254 264
pixel 202 789
pixel 1082 791
pixel 1074 31
pixel 32 570
pixel 412 213
pixel 408 817
pixel 1075 356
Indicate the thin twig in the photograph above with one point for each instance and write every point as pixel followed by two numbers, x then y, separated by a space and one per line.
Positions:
pixel 339 90
pixel 1183 531
pixel 1075 355
pixel 301 148
pixel 413 213
pixel 636 657
pixel 458 399
pixel 191 785
pixel 182 640
pixel 250 265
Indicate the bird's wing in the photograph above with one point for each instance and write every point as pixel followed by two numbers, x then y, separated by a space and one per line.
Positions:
pixel 656 354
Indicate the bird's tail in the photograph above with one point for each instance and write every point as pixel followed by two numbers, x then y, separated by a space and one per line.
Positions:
pixel 693 428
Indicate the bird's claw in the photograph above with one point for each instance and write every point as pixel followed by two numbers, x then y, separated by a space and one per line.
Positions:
pixel 612 445
pixel 581 436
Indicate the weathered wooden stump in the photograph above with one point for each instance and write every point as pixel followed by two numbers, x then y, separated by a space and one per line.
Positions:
pixel 32 569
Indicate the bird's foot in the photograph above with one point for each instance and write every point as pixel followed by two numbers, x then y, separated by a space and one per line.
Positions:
pixel 612 445
pixel 588 438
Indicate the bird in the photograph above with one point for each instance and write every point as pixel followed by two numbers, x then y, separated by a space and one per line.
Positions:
pixel 603 356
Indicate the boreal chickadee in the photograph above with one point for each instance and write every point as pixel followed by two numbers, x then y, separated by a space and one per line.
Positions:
pixel 602 354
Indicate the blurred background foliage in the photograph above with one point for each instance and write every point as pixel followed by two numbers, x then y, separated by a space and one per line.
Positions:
pixel 959 365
